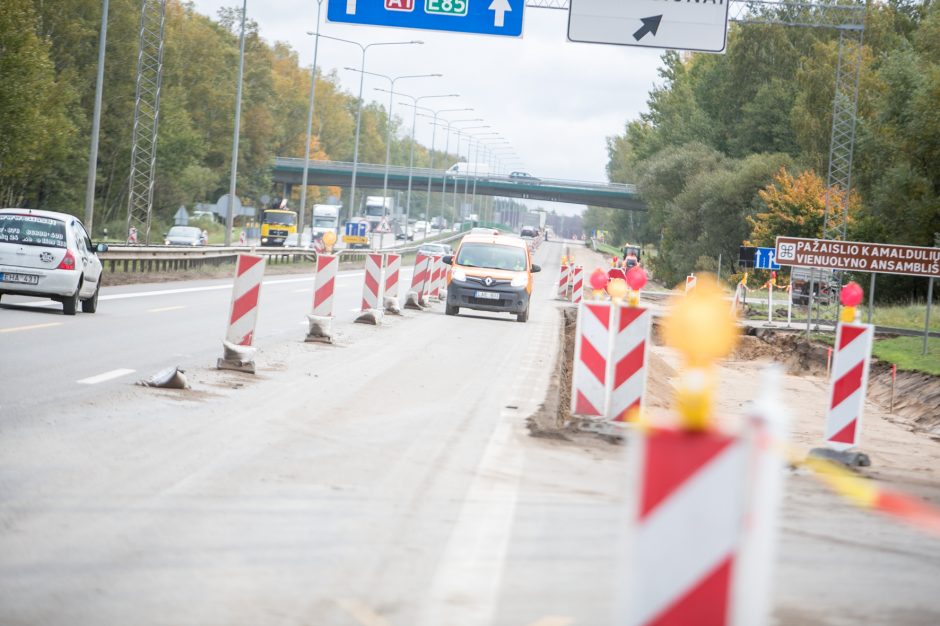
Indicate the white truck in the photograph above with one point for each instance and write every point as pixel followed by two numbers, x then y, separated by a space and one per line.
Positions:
pixel 325 218
pixel 468 169
pixel 377 208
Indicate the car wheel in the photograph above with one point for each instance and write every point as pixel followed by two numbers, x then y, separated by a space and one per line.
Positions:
pixel 451 310
pixel 70 303
pixel 91 304
pixel 523 317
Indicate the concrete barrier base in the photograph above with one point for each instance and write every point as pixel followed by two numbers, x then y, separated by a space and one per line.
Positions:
pixel 170 378
pixel 320 329
pixel 237 358
pixel 849 458
pixel 413 301
pixel 370 316
pixel 391 306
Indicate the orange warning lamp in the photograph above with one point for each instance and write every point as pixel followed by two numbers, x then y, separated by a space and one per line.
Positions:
pixel 850 297
pixel 329 240
pixel 617 289
pixel 703 330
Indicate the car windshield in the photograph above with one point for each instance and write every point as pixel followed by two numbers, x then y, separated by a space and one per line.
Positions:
pixel 492 256
pixel 184 231
pixel 285 219
pixel 32 230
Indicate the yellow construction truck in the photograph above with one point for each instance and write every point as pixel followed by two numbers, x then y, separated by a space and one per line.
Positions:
pixel 277 224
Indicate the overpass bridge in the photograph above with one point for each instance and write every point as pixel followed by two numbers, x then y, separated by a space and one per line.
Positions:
pixel 289 172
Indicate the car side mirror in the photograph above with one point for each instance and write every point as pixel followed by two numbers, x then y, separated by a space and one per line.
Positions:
pixel 448 260
pixel 101 247
pixel 536 268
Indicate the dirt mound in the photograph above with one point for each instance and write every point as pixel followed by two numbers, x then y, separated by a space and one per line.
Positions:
pixel 799 356
pixel 916 396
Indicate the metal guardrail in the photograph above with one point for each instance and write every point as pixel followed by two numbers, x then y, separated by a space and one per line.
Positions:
pixel 176 258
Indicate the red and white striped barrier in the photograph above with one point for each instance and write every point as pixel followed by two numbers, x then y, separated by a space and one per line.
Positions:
pixel 690 282
pixel 320 321
pixel 392 274
pixel 372 285
pixel 419 280
pixel 628 362
pixel 437 273
pixel 249 272
pixel 563 278
pixel 848 385
pixel 689 495
pixel 325 285
pixel 577 284
pixel 591 350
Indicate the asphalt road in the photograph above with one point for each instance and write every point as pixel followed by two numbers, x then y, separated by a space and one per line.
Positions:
pixel 387 480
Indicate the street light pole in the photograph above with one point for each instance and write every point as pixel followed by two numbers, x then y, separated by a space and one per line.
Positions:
pixel 427 209
pixel 230 217
pixel 96 125
pixel 476 158
pixel 313 91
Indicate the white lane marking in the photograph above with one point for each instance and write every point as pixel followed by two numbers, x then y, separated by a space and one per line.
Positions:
pixel 100 378
pixel 304 290
pixel 362 613
pixel 467 582
pixel 166 308
pixel 16 329
pixel 553 620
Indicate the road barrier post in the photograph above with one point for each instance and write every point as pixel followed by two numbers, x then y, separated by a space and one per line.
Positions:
pixel 372 291
pixel 320 322
pixel 690 282
pixel 591 355
pixel 392 272
pixel 415 299
pixel 627 365
pixel 577 286
pixel 563 279
pixel 237 350
pixel 437 272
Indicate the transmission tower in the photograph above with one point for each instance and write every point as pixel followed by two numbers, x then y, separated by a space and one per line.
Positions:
pixel 146 117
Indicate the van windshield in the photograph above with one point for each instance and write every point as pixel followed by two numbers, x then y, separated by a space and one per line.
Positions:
pixel 492 256
pixel 32 230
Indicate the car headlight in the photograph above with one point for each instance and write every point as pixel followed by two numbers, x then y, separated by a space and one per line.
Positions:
pixel 520 281
pixel 166 242
pixel 458 274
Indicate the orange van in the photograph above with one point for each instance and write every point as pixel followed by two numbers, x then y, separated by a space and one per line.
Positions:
pixel 490 273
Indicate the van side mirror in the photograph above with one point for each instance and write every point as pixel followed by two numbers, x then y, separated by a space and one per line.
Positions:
pixel 536 268
pixel 101 247
pixel 448 260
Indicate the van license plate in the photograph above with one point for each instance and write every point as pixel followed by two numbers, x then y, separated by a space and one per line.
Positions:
pixel 25 279
pixel 487 295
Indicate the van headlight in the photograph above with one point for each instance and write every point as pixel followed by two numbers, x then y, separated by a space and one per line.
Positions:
pixel 458 274
pixel 520 281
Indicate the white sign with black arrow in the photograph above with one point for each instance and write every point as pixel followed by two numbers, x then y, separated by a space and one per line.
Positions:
pixel 700 25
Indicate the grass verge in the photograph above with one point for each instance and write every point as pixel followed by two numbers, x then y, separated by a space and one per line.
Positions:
pixel 906 353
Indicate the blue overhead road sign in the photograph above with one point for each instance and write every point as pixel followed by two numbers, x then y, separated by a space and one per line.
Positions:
pixel 484 17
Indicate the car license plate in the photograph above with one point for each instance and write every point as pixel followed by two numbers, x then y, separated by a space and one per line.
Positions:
pixel 26 279
pixel 487 295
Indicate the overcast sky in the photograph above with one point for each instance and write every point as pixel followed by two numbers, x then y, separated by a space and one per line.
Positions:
pixel 555 101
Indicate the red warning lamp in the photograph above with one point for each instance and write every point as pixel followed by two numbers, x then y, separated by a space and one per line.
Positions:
pixel 599 279
pixel 636 278
pixel 851 294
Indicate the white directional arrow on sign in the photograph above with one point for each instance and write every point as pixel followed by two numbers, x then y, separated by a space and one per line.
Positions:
pixel 691 25
pixel 499 8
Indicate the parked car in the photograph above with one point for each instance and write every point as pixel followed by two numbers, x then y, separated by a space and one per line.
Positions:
pixel 49 255
pixel 183 236
pixel 490 273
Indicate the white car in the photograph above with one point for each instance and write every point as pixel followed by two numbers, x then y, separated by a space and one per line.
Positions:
pixel 49 255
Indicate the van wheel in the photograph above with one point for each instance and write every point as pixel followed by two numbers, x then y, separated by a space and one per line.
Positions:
pixel 451 310
pixel 70 303
pixel 523 317
pixel 91 304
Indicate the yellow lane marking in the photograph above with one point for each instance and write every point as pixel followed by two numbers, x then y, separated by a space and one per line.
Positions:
pixel 166 308
pixel 16 329
pixel 362 613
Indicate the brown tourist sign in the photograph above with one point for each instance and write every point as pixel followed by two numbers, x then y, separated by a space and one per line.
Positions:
pixel 881 258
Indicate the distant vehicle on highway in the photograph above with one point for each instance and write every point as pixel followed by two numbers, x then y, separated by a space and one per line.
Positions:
pixel 524 177
pixel 528 232
pixel 480 230
pixel 472 169
pixel 490 273
pixel 49 255
pixel 422 227
pixel 183 236
pixel 436 249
